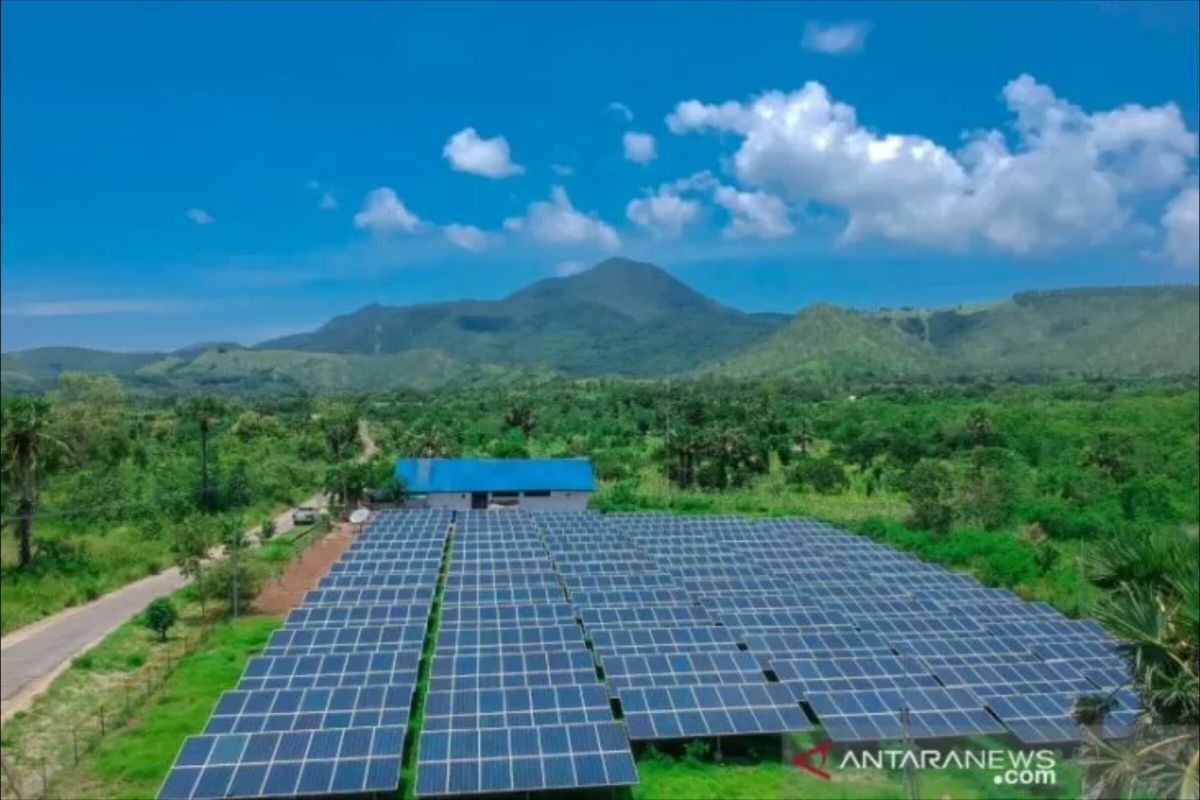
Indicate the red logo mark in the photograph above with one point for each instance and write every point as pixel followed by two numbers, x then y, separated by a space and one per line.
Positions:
pixel 804 760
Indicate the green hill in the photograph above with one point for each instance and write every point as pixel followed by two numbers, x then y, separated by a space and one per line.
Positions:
pixel 824 342
pixel 1136 331
pixel 629 318
pixel 620 317
pixel 240 370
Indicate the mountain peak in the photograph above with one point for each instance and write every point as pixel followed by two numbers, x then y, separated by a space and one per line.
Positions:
pixel 634 288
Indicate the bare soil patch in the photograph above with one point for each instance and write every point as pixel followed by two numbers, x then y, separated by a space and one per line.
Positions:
pixel 286 592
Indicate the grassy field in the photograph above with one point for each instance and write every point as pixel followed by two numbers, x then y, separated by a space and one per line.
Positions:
pixel 100 561
pixel 133 762
pixel 113 674
pixel 755 768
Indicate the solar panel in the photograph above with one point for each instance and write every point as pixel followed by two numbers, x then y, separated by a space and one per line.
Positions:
pixel 717 710
pixel 681 669
pixel 300 641
pixel 507 616
pixel 1046 718
pixel 872 714
pixel 524 759
pixel 356 616
pixel 632 641
pixel 299 763
pixel 511 670
pixel 241 711
pixel 644 615
pixel 806 676
pixel 526 637
pixel 516 707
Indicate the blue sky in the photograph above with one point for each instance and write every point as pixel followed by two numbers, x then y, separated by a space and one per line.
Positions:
pixel 180 172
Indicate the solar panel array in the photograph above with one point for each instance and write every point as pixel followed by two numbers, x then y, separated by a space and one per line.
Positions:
pixel 698 626
pixel 325 707
pixel 878 644
pixel 514 702
pixel 674 668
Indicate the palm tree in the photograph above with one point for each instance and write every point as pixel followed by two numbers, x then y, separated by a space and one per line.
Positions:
pixel 339 424
pixel 980 431
pixel 27 448
pixel 1144 765
pixel 803 437
pixel 206 412
pixel 521 415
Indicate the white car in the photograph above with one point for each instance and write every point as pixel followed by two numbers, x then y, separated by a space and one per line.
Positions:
pixel 304 515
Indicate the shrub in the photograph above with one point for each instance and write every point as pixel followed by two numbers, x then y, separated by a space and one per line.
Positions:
pixel 159 616
pixel 696 751
pixel 929 490
pixel 822 474
pixel 218 581
pixel 267 530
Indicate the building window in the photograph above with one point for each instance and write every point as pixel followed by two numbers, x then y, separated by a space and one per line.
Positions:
pixel 505 495
pixel 538 493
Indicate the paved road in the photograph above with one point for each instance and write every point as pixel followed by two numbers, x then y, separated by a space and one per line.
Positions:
pixel 31 657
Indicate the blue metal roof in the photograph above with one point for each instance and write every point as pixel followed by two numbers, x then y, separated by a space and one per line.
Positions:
pixel 424 475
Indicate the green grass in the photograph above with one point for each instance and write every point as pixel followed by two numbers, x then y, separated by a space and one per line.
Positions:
pixel 133 762
pixel 109 558
pixel 756 770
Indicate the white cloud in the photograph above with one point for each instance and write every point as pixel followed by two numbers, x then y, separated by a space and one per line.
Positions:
pixel 753 214
pixel 664 213
pixel 199 216
pixel 639 147
pixel 468 237
pixel 327 202
pixel 1181 223
pixel 467 152
pixel 76 308
pixel 566 268
pixel 565 170
pixel 622 109
pixel 383 212
pixel 843 38
pixel 558 222
pixel 1069 179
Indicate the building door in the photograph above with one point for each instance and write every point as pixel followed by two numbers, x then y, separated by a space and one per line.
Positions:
pixel 479 500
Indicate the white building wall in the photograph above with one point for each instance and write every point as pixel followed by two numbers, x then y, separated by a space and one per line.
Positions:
pixel 556 501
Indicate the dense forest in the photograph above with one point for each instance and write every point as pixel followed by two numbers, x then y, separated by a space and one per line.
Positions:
pixel 1081 494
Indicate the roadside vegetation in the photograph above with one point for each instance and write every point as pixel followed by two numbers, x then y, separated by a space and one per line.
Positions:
pixel 121 680
pixel 1081 494
pixel 101 489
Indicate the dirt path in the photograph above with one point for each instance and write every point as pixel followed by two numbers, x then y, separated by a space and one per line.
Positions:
pixel 287 591
pixel 369 448
pixel 33 656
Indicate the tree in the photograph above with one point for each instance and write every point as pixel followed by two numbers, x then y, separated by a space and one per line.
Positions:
pixel 27 449
pixel 190 546
pixel 89 416
pixel 979 429
pixel 1111 453
pixel 339 426
pixel 239 488
pixel 159 616
pixel 825 475
pixel 929 492
pixel 803 437
pixel 206 412
pixel 521 415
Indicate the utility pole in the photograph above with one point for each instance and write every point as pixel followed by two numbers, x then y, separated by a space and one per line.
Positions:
pixel 237 536
pixel 910 789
